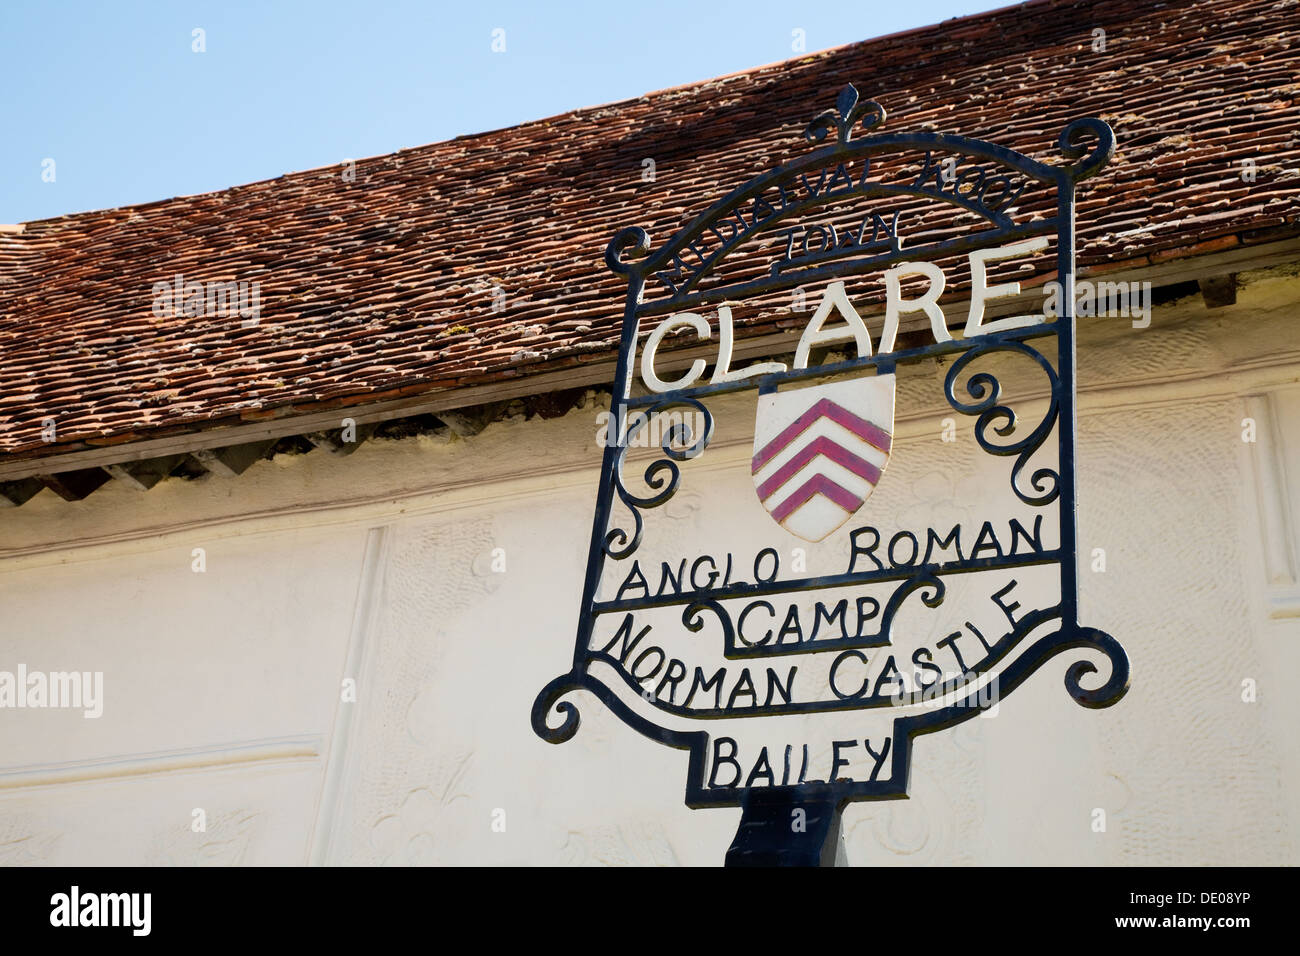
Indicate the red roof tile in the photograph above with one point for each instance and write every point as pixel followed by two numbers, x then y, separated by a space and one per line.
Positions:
pixel 392 285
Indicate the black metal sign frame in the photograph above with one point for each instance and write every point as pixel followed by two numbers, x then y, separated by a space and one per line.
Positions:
pixel 674 277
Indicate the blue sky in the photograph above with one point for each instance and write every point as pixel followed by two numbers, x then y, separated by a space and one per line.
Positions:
pixel 115 95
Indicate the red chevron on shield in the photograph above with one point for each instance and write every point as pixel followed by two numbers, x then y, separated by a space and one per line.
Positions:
pixel 819 451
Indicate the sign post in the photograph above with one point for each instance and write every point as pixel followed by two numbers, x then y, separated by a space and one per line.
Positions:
pixel 676 646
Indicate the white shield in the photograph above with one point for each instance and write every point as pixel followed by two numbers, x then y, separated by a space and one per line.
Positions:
pixel 819 451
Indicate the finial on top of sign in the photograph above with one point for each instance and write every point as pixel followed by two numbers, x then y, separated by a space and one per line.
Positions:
pixel 850 110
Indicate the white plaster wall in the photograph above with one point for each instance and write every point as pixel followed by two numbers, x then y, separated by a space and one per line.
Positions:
pixel 223 687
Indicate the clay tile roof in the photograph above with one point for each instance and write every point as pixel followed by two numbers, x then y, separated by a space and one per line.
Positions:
pixel 480 259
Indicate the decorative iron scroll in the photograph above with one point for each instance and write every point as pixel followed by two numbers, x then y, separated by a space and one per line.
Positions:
pixel 823 441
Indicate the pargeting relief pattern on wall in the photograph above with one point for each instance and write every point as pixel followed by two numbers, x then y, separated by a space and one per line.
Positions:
pixel 1186 774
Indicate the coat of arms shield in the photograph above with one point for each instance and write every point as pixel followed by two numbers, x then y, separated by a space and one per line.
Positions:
pixel 819 451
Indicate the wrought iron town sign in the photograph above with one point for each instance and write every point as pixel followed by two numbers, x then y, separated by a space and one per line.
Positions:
pixel 800 690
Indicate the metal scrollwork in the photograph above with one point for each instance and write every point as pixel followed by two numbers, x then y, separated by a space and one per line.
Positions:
pixel 986 391
pixel 680 442
pixel 633 241
pixel 925 579
pixel 693 619
pixel 548 699
pixel 1087 162
pixel 1116 684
